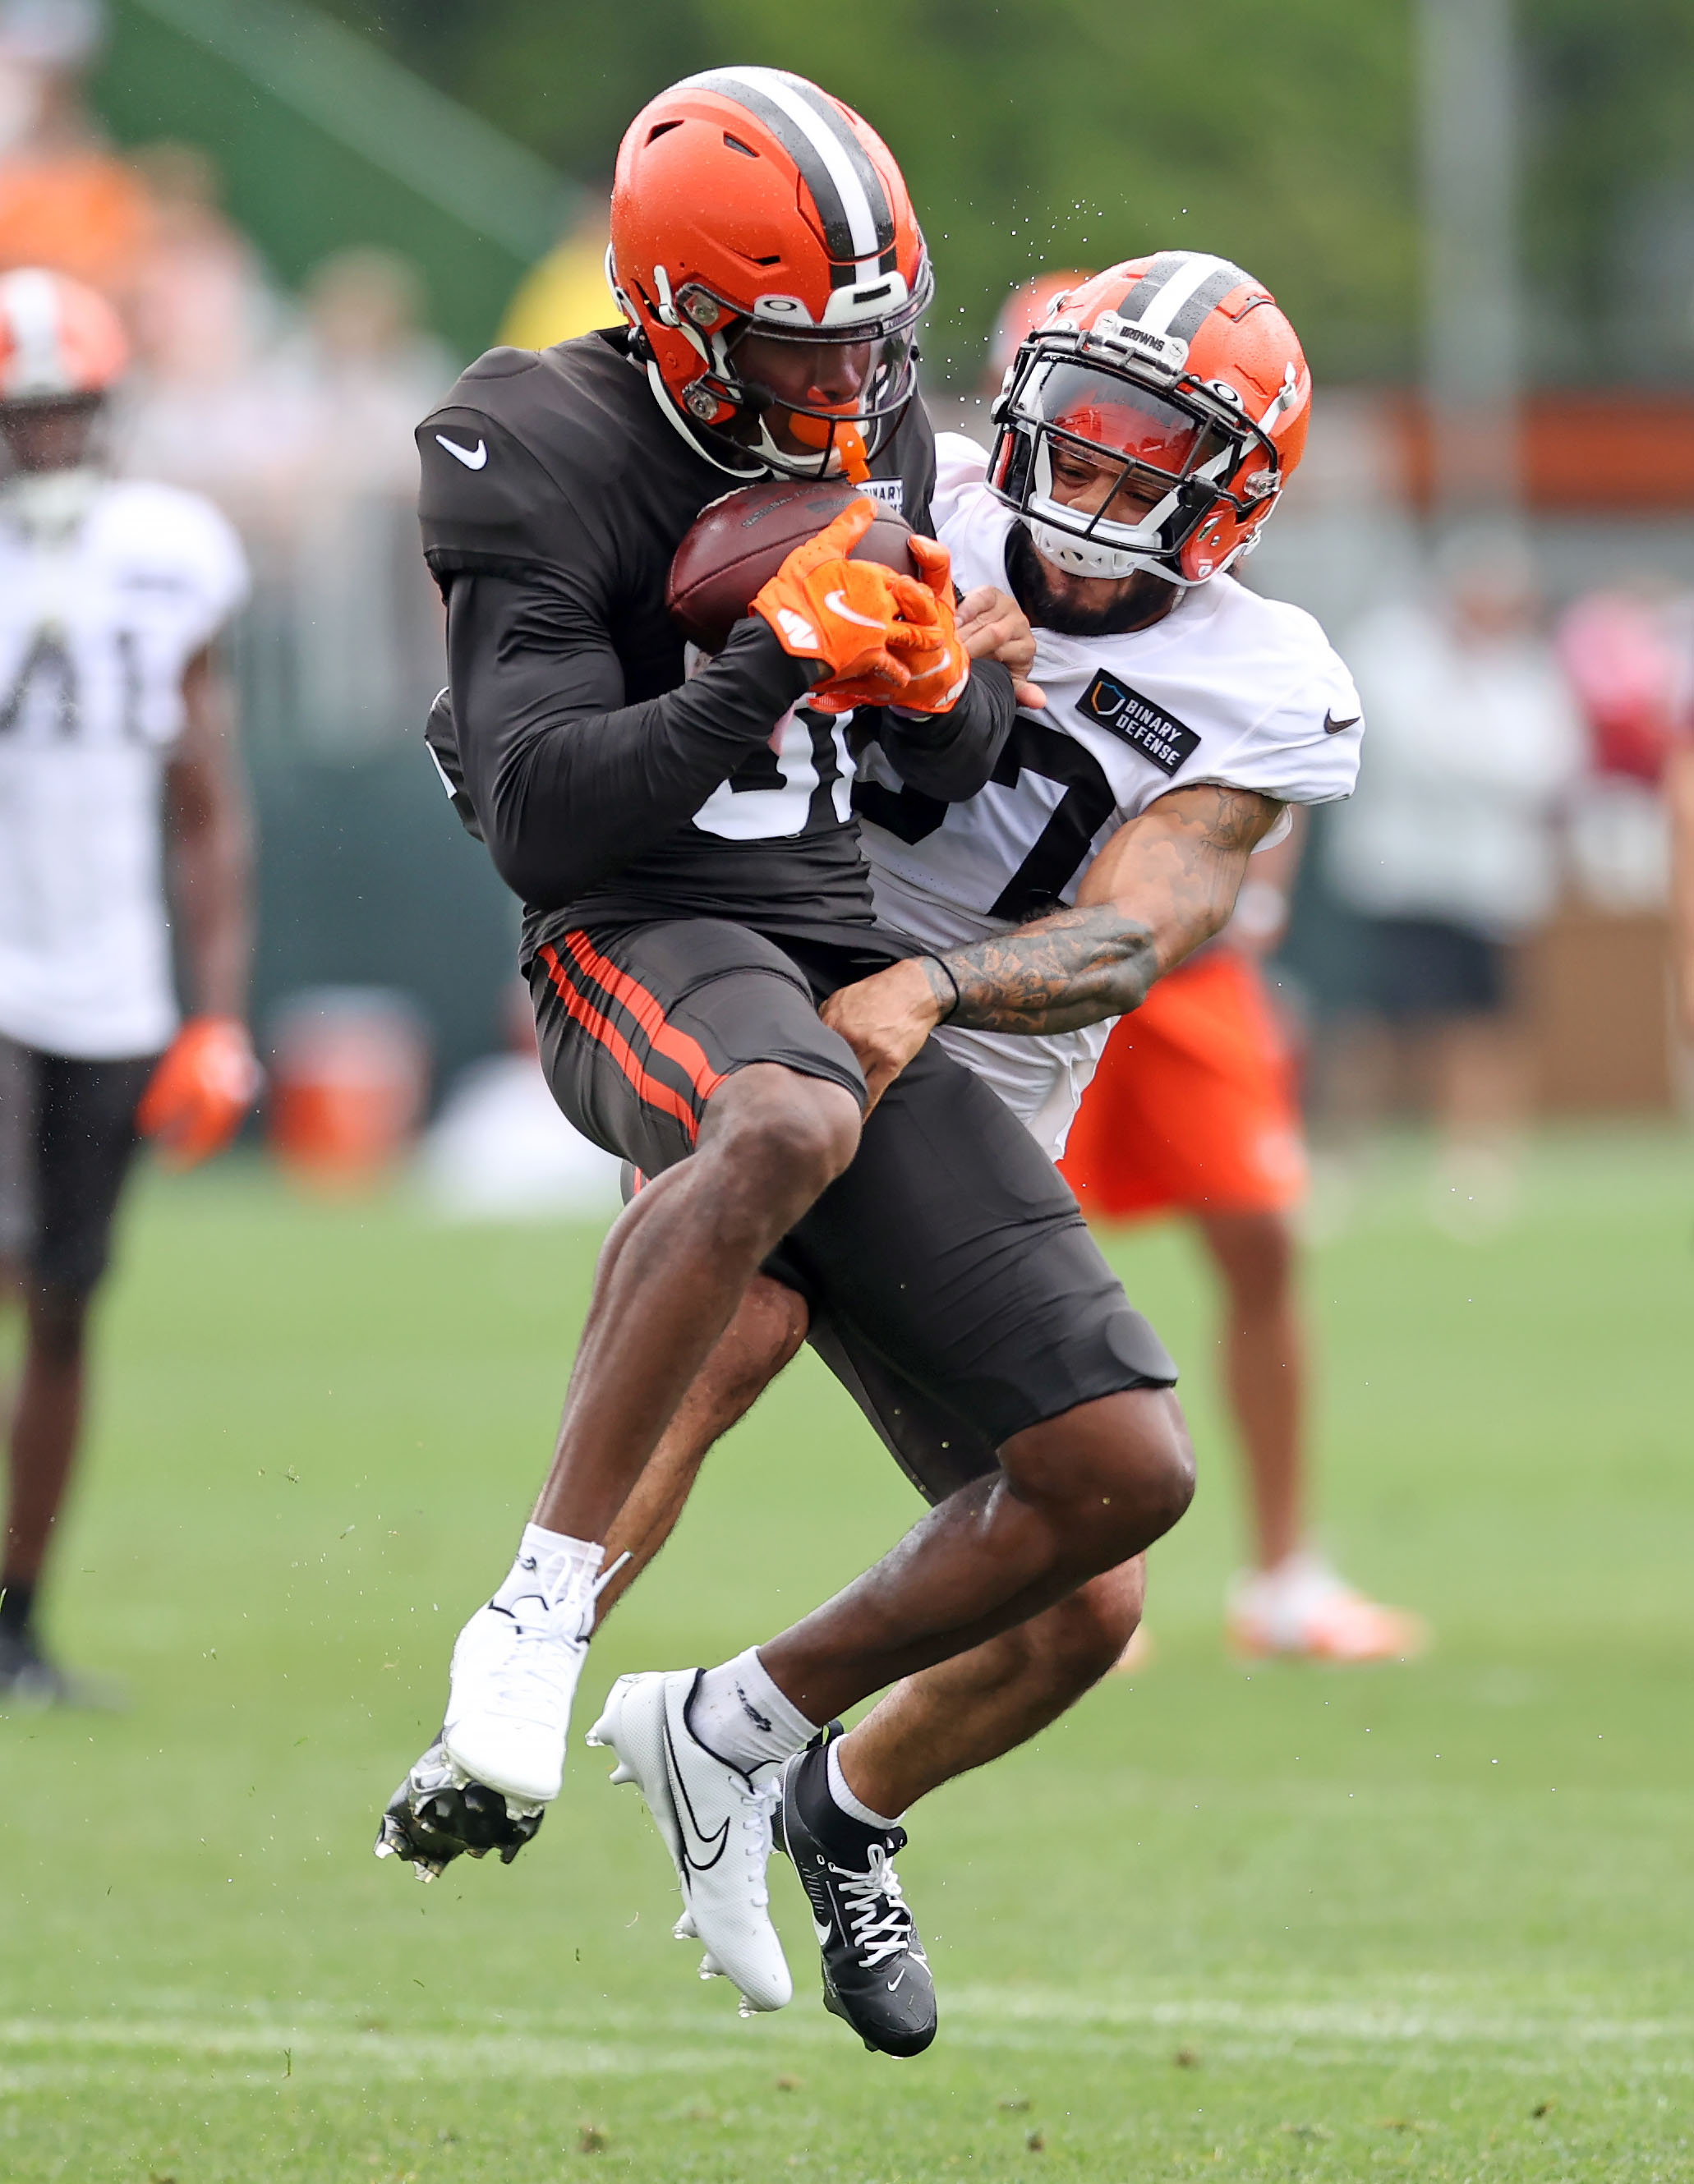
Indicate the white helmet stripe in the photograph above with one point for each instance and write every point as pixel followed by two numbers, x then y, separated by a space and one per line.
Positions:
pixel 1175 293
pixel 29 305
pixel 774 85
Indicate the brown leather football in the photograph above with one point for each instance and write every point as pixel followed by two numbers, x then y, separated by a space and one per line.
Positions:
pixel 737 544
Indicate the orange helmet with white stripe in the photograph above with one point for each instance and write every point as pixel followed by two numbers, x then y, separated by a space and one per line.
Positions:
pixel 1180 372
pixel 748 202
pixel 59 341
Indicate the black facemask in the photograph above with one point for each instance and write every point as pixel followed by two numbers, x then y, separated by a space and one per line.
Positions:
pixel 1148 599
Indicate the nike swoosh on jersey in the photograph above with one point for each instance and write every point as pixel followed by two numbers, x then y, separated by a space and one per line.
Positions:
pixel 679 1798
pixel 472 457
pixel 1332 726
pixel 836 604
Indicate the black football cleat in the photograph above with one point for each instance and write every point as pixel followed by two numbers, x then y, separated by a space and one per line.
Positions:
pixel 875 1976
pixel 438 1814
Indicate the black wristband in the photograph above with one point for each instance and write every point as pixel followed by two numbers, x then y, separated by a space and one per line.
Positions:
pixel 952 981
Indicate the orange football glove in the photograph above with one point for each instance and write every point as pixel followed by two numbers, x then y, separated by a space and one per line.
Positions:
pixel 924 641
pixel 822 606
pixel 940 668
pixel 202 1087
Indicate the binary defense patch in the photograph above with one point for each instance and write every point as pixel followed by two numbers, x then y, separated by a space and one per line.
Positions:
pixel 1136 721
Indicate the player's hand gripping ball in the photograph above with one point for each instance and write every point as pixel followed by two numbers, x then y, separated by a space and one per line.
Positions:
pixel 846 614
pixel 202 1087
pixel 928 646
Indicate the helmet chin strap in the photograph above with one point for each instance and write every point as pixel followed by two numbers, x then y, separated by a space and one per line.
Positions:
pixel 1093 558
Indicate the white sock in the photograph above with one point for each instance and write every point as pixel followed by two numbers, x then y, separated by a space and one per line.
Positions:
pixel 841 1796
pixel 557 1570
pixel 738 1713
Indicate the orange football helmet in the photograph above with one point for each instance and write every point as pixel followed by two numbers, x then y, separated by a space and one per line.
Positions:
pixel 59 341
pixel 748 202
pixel 1178 370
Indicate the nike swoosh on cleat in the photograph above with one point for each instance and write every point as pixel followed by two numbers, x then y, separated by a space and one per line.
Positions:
pixel 896 1980
pixel 822 1932
pixel 1332 726
pixel 679 1793
pixel 472 457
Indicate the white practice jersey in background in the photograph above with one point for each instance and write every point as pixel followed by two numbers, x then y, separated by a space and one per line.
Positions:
pixel 1228 688
pixel 100 613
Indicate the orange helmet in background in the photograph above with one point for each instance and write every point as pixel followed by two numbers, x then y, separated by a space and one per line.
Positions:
pixel 59 341
pixel 1180 370
pixel 1021 312
pixel 746 200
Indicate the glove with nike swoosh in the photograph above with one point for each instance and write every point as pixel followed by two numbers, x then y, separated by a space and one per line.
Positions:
pixel 846 614
pixel 925 642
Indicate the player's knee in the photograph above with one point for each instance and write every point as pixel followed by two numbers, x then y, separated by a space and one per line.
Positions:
pixel 797 1141
pixel 1159 1463
pixel 1089 1631
pixel 1144 1483
pixel 1255 1252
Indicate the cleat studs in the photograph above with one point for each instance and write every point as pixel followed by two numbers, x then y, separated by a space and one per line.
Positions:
pixel 622 1772
pixel 685 1929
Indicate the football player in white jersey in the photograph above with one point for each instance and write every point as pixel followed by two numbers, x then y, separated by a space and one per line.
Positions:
pixel 1234 1138
pixel 116 775
pixel 1146 429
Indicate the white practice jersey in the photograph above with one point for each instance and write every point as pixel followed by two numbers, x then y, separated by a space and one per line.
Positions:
pixel 101 611
pixel 1228 688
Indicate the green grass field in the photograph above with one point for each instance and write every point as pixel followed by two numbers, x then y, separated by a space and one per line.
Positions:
pixel 1430 1922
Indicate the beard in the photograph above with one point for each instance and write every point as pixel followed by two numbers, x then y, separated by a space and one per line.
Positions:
pixel 1147 599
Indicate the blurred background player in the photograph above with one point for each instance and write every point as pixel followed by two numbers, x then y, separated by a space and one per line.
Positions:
pixel 116 769
pixel 1194 1110
pixel 66 199
pixel 1449 856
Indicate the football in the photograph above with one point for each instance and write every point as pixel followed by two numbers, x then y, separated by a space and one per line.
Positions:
pixel 737 544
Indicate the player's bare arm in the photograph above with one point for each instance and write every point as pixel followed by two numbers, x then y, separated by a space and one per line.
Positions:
pixel 1164 885
pixel 208 1078
pixel 210 837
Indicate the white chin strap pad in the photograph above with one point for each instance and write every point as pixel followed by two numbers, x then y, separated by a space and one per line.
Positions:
pixel 1085 557
pixel 1089 557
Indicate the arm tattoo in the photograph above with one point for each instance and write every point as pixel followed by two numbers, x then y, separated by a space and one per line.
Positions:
pixel 1073 968
pixel 1078 967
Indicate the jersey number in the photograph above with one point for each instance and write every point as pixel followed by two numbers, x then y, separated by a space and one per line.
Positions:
pixel 799 782
pixel 1059 851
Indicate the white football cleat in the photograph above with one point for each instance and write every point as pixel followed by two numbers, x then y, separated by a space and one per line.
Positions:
pixel 513 1680
pixel 1305 1610
pixel 716 1823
